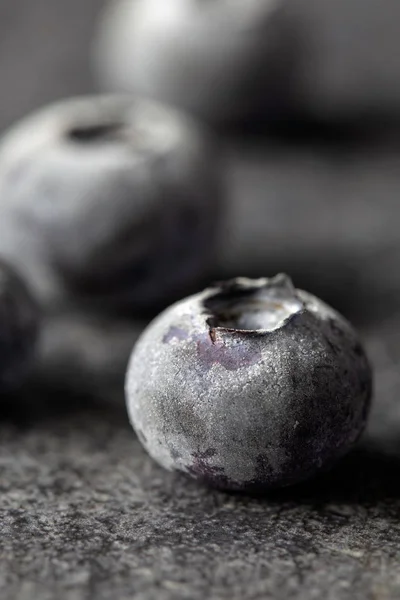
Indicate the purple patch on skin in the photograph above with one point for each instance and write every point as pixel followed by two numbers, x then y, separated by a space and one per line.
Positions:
pixel 211 350
pixel 231 358
pixel 202 469
pixel 210 475
pixel 175 333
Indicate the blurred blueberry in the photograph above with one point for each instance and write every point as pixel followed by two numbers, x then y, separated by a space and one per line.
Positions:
pixel 109 200
pixel 224 61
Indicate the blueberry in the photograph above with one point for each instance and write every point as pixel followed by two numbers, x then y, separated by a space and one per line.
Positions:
pixel 249 385
pixel 226 62
pixel 109 200
pixel 18 329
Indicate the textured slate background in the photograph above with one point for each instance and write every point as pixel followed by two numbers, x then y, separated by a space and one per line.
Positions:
pixel 85 514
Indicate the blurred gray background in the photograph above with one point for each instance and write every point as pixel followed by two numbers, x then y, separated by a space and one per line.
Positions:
pixel 44 52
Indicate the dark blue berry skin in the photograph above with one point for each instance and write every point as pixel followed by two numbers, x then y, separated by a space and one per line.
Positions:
pixel 109 201
pixel 18 329
pixel 249 386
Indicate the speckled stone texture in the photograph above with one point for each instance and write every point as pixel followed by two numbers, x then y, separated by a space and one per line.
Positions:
pixel 86 514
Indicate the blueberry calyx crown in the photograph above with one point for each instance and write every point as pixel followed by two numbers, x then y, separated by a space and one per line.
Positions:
pixel 251 305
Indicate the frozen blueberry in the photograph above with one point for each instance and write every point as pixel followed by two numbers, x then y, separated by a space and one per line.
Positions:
pixel 109 199
pixel 249 385
pixel 18 329
pixel 225 61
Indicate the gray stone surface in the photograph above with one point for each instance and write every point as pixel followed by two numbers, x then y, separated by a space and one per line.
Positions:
pixel 85 513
